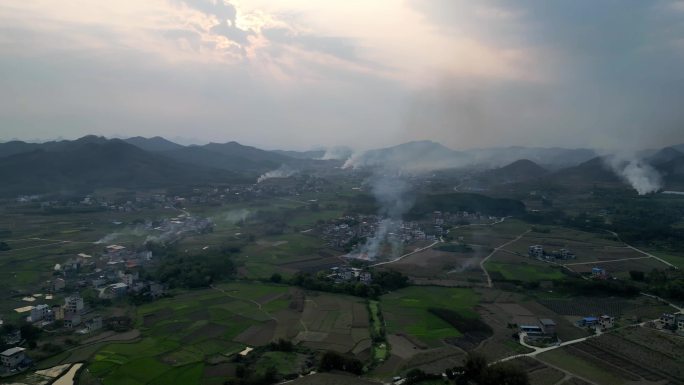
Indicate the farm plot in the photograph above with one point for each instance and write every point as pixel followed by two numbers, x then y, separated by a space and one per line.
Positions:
pixel 538 372
pixel 281 254
pixel 406 312
pixel 508 267
pixel 586 368
pixel 647 353
pixel 502 343
pixel 180 335
pixel 333 322
pixel 449 267
pixel 621 268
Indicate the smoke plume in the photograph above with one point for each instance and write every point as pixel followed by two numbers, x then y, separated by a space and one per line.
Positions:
pixel 394 196
pixel 337 153
pixel 283 171
pixel 640 175
pixel 236 216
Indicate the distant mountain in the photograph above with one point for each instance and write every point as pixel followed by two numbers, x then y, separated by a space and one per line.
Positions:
pixel 414 156
pixel 673 172
pixel 594 172
pixel 427 155
pixel 679 147
pixel 664 155
pixel 313 154
pixel 18 147
pixel 86 165
pixel 153 144
pixel 553 158
pixel 518 171
pixel 230 156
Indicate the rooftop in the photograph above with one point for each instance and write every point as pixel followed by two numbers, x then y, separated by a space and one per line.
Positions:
pixel 12 351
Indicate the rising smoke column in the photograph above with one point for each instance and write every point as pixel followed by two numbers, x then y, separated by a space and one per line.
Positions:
pixel 394 196
pixel 640 175
pixel 283 171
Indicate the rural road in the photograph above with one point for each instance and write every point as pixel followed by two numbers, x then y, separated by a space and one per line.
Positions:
pixel 407 254
pixel 437 242
pixel 538 350
pixel 641 251
pixel 485 259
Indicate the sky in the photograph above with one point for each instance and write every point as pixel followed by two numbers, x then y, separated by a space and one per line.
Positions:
pixel 301 74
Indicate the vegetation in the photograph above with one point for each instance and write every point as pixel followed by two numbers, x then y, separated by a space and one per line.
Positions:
pixel 383 282
pixel 463 324
pixel 454 248
pixel 478 370
pixel 335 361
pixel 454 202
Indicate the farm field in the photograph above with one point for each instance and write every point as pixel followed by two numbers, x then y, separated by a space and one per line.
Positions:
pixel 582 367
pixel 433 265
pixel 406 311
pixel 524 271
pixel 186 339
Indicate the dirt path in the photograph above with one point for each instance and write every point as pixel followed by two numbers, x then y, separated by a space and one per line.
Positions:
pixel 641 251
pixel 485 259
pixel 407 254
pixel 258 305
pixel 437 242
pixel 602 262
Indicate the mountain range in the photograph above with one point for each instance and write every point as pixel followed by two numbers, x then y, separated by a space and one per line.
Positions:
pixel 93 162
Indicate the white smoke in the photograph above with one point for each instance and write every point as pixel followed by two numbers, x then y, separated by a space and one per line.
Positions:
pixel 337 153
pixel 283 171
pixel 236 216
pixel 354 161
pixel 640 175
pixel 108 238
pixel 394 196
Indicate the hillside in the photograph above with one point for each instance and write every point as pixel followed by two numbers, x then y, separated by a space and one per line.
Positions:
pixel 585 175
pixel 413 156
pixel 230 156
pixel 454 202
pixel 518 171
pixel 313 154
pixel 84 166
pixel 19 147
pixel 154 144
pixel 664 156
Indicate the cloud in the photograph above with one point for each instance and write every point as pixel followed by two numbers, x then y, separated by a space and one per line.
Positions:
pixel 300 73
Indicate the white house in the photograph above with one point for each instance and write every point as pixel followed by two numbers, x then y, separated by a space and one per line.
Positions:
pixel 39 313
pixel 12 358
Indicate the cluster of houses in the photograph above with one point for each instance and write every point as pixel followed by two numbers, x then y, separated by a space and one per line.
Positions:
pixel 447 219
pixel 672 322
pixel 346 232
pixel 72 314
pixel 113 272
pixel 603 322
pixel 538 252
pixel 542 328
pixel 350 274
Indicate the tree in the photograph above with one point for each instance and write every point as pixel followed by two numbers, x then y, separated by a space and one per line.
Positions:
pixel 276 278
pixel 474 366
pixel 637 275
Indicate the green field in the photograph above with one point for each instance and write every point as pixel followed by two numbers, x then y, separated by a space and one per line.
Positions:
pixel 180 334
pixel 524 272
pixel 406 311
pixel 574 364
